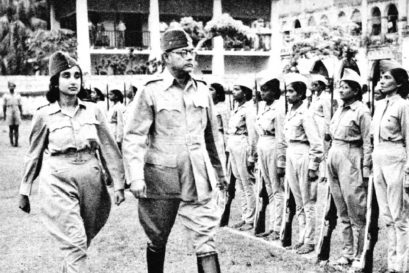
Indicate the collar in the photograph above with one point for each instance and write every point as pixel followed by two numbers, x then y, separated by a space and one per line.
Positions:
pixel 352 106
pixel 55 107
pixel 169 80
pixel 393 98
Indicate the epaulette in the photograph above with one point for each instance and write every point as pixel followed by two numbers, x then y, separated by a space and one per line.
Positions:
pixel 202 81
pixel 42 106
pixel 153 80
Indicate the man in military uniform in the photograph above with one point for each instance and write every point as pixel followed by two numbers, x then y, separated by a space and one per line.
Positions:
pixel 170 151
pixel 12 111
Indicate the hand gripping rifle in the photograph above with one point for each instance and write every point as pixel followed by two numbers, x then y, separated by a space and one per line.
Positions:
pixel 289 201
pixel 372 209
pixel 329 220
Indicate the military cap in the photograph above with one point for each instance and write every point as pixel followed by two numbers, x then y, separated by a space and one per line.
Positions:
pixel 351 75
pixel 174 39
pixel 60 61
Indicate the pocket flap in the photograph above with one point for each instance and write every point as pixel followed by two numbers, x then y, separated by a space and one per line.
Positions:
pixel 165 160
pixel 168 105
pixel 58 125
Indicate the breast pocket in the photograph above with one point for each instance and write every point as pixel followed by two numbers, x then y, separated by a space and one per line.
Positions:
pixel 169 114
pixel 391 123
pixel 61 134
pixel 296 128
pixel 351 130
pixel 200 111
pixel 88 129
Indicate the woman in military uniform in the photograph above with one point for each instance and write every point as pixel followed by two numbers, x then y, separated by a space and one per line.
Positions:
pixel 390 164
pixel 349 162
pixel 64 138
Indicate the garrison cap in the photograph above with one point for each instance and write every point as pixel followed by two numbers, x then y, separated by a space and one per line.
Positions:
pixel 319 78
pixel 60 61
pixel 174 38
pixel 351 75
pixel 386 65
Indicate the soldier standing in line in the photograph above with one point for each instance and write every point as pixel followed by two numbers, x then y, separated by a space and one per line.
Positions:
pixel 12 111
pixel 271 151
pixel 321 110
pixel 349 163
pixel 241 144
pixel 304 154
pixel 390 163
pixel 178 169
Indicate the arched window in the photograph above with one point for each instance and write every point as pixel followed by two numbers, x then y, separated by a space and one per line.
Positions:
pixel 357 23
pixel 324 20
pixel 376 21
pixel 393 15
pixel 297 24
pixel 311 21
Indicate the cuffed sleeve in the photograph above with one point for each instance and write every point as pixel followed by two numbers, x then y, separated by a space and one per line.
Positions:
pixel 137 126
pixel 211 137
pixel 281 145
pixel 110 154
pixel 316 145
pixel 365 127
pixel 33 160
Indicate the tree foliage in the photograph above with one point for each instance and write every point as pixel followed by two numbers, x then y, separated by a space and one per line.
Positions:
pixel 43 43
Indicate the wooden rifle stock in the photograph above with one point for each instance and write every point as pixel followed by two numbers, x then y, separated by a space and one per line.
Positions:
pixel 286 229
pixel 261 205
pixel 328 225
pixel 231 192
pixel 371 229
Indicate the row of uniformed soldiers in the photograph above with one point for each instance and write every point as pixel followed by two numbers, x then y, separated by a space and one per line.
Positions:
pixel 309 143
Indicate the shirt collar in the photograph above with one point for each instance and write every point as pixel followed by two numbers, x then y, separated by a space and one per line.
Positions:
pixel 55 107
pixel 352 106
pixel 169 80
pixel 393 98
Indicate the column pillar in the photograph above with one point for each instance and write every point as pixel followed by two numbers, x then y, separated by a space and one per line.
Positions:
pixel 274 64
pixel 218 44
pixel 154 29
pixel 364 18
pixel 83 48
pixel 54 21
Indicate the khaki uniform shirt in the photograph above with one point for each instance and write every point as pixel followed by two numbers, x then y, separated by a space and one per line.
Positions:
pixel 391 121
pixel 300 127
pixel 241 122
pixel 53 132
pixel 170 140
pixel 352 124
pixel 270 122
pixel 321 108
pixel 116 121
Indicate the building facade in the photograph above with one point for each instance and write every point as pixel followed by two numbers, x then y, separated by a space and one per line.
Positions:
pixel 114 26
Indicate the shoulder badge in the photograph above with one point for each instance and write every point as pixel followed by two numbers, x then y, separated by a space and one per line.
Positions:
pixel 42 106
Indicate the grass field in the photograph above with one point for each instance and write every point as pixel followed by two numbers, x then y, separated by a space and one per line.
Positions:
pixel 25 245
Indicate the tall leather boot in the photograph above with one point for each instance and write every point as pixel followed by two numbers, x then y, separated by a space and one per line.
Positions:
pixel 208 263
pixel 155 259
pixel 11 137
pixel 16 138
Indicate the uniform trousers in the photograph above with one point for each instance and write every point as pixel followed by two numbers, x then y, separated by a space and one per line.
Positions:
pixel 238 157
pixel 350 194
pixel 75 204
pixel 389 161
pixel 304 192
pixel 267 156
pixel 200 218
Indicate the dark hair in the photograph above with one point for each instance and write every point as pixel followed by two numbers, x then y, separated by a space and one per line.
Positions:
pixel 247 92
pixel 401 77
pixel 220 96
pixel 53 93
pixel 356 87
pixel 273 85
pixel 134 90
pixel 100 96
pixel 118 95
pixel 300 88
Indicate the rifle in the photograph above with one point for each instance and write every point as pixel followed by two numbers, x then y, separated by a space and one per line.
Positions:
pixel 329 222
pixel 286 228
pixel 261 205
pixel 231 192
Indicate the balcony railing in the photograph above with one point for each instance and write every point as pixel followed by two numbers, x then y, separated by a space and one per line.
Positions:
pixel 120 39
